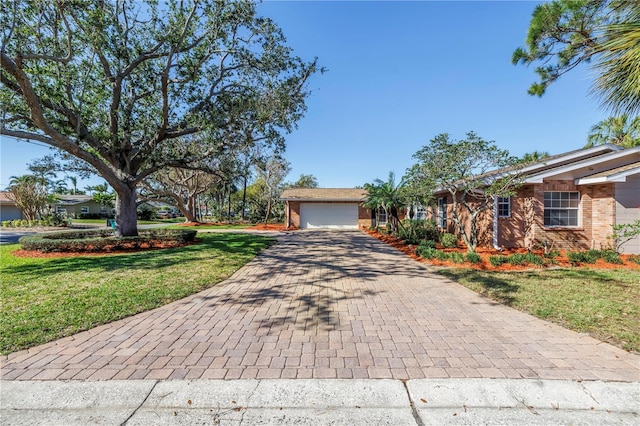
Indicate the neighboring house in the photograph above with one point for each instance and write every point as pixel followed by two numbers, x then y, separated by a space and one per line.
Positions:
pixel 77 206
pixel 8 208
pixel 567 201
pixel 333 208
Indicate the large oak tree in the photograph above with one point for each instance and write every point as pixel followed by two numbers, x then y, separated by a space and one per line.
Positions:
pixel 120 84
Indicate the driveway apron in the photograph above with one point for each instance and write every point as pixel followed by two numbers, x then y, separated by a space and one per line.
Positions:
pixel 326 304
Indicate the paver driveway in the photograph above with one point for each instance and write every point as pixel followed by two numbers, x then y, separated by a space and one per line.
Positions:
pixel 328 305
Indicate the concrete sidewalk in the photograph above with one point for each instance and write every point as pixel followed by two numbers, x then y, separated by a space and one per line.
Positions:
pixel 320 402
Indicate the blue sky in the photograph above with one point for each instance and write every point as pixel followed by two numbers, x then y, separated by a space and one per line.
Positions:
pixel 399 73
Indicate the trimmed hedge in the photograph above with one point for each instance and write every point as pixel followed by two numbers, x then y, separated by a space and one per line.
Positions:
pixel 103 240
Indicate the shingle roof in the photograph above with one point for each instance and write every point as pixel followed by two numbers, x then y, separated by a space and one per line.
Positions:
pixel 324 194
pixel 614 171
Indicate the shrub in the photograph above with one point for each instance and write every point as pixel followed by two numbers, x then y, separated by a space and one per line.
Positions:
pixel 552 254
pixel 533 259
pixel 448 240
pixel 517 259
pixel 429 243
pixel 426 252
pixel 6 223
pixel 589 256
pixel 498 260
pixel 440 255
pixel 456 257
pixel 611 256
pixel 101 239
pixel 635 259
pixel 473 257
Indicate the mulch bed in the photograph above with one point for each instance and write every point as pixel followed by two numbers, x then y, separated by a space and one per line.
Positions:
pixel 152 245
pixel 561 261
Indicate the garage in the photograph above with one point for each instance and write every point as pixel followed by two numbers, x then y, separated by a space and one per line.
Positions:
pixel 328 208
pixel 329 215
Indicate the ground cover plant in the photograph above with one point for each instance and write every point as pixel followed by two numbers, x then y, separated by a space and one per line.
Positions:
pixel 47 298
pixel 103 240
pixel 602 302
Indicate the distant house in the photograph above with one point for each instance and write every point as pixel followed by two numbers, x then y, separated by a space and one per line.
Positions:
pixel 8 208
pixel 568 201
pixel 331 208
pixel 77 206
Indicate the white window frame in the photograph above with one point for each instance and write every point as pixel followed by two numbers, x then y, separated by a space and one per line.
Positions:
pixel 382 216
pixel 561 204
pixel 61 210
pixel 442 212
pixel 504 203
pixel 420 212
pixel 84 209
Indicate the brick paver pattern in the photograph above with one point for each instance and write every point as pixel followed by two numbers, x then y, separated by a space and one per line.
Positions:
pixel 327 304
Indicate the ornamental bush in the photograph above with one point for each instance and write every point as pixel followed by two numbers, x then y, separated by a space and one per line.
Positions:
pixel 103 240
pixel 448 240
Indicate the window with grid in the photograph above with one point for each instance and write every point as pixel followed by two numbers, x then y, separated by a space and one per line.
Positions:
pixel 442 212
pixel 382 216
pixel 421 213
pixel 504 206
pixel 84 209
pixel 561 208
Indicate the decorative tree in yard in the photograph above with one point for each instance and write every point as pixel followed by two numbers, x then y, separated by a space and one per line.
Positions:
pixel 120 85
pixel 464 169
pixel 29 192
pixel 388 196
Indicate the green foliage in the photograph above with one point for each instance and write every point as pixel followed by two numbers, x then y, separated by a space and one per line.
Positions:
pixel 426 251
pixel 456 257
pixel 442 255
pixel 625 232
pixel 101 239
pixel 44 299
pixel 565 33
pixel 611 256
pixel 621 130
pixel 415 231
pixel 448 240
pixel 577 257
pixel 463 169
pixel 386 195
pixel 473 257
pixel 635 259
pixel 183 80
pixel 498 260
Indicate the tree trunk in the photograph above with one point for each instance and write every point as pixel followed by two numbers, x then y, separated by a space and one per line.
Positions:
pixel 126 212
pixel 244 197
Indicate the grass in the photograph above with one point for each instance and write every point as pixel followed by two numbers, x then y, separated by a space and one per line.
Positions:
pixel 47 298
pixel 140 222
pixel 602 302
pixel 202 227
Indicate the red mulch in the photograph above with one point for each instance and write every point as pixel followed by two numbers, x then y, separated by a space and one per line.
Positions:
pixel 154 245
pixel 201 224
pixel 272 227
pixel 560 261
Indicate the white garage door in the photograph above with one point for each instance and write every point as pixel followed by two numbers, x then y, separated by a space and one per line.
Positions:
pixel 329 215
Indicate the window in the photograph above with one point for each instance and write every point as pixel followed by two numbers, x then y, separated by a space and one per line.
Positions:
pixel 382 216
pixel 84 209
pixel 561 208
pixel 420 213
pixel 103 209
pixel 61 210
pixel 504 206
pixel 442 212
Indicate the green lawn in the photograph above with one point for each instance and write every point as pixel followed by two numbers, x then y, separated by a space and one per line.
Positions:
pixel 204 227
pixel 602 302
pixel 45 299
pixel 140 222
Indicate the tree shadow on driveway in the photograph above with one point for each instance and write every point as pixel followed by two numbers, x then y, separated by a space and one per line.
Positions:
pixel 306 279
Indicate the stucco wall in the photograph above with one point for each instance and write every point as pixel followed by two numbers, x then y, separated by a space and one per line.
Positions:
pixel 628 209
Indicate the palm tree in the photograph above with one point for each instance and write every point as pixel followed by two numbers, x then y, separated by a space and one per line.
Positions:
pixel 618 61
pixel 74 183
pixel 616 130
pixel 388 196
pixel 533 157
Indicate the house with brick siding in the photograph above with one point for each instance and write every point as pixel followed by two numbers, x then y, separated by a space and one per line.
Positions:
pixel 568 201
